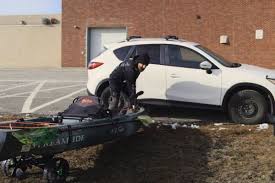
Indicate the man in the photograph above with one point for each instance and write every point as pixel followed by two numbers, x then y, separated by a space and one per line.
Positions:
pixel 124 77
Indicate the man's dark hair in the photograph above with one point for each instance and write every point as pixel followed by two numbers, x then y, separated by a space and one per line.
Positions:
pixel 143 58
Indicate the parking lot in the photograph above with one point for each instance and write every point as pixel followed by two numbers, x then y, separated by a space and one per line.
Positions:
pixel 40 91
pixel 48 91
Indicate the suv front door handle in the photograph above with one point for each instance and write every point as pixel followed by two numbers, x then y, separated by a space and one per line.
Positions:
pixel 174 76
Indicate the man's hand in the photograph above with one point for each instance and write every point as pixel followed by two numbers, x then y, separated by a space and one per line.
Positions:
pixel 135 108
pixel 132 109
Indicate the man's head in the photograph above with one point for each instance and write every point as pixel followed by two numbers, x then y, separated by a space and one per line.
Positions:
pixel 142 61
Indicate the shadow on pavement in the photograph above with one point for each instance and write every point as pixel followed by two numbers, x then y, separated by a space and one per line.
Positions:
pixel 187 114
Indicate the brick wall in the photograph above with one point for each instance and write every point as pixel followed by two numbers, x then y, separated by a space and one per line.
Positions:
pixel 200 21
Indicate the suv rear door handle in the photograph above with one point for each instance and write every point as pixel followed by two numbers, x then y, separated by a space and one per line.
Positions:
pixel 174 76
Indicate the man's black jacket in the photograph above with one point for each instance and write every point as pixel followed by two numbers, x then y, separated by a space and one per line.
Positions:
pixel 124 78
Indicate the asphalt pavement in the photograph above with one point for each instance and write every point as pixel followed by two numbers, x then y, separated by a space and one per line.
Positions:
pixel 40 91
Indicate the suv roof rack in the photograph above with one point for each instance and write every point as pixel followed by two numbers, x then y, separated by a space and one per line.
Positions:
pixel 171 37
pixel 133 37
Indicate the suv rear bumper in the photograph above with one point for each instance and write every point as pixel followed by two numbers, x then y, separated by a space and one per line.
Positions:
pixel 89 93
pixel 91 87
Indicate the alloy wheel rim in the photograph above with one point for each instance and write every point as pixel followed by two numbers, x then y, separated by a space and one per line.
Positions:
pixel 248 109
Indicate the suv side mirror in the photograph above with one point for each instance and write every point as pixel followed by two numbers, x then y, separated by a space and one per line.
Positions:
pixel 206 66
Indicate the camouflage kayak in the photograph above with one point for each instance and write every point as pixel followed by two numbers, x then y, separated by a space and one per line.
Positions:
pixel 34 142
pixel 49 135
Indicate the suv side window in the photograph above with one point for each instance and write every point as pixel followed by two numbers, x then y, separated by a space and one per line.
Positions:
pixel 153 50
pixel 184 57
pixel 121 53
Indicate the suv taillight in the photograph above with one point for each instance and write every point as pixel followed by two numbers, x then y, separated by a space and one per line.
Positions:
pixel 93 65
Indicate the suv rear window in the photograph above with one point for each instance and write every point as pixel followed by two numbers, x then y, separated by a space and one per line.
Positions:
pixel 153 50
pixel 121 53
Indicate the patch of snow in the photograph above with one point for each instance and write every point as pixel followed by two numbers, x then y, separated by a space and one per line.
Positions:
pixel 177 125
pixel 195 126
pixel 263 126
pixel 218 124
pixel 174 126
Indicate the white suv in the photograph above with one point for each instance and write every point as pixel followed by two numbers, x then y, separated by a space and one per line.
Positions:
pixel 187 74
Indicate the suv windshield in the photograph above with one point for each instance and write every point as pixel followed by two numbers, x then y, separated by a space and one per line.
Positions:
pixel 219 58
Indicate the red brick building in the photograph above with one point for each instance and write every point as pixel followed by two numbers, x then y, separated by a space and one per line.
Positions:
pixel 202 21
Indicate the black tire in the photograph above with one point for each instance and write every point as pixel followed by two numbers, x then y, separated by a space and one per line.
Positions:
pixel 12 168
pixel 247 107
pixel 56 170
pixel 8 167
pixel 19 173
pixel 105 98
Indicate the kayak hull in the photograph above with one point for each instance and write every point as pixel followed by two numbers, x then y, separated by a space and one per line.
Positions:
pixel 71 133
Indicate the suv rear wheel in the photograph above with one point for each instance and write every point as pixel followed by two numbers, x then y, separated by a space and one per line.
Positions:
pixel 247 107
pixel 105 99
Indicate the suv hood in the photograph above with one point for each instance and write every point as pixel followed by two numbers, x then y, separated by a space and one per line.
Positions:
pixel 256 70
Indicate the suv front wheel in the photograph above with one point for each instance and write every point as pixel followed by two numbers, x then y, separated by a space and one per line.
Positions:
pixel 247 107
